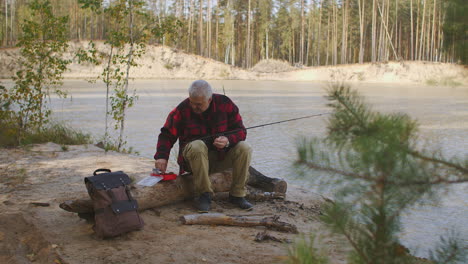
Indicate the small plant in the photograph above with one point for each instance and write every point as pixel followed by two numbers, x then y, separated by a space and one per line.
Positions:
pixel 52 132
pixel 432 82
pixel 443 81
pixel 304 251
pixel 169 66
pixel 224 74
pixel 113 146
pixel 360 76
pixel 449 81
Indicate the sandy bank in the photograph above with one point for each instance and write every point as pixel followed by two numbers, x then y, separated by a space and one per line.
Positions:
pixel 48 174
pixel 161 62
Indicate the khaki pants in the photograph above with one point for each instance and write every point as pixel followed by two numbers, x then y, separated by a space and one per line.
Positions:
pixel 201 162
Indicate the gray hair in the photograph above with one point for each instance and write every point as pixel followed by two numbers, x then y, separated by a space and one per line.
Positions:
pixel 200 88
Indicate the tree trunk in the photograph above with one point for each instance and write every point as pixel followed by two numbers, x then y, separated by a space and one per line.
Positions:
pixel 319 35
pixel 200 29
pixel 301 48
pixel 361 29
pixel 266 46
pixel 412 37
pixel 335 33
pixel 217 33
pixel 170 192
pixel 384 24
pixel 6 24
pixel 344 32
pixel 208 29
pixel 309 39
pixel 247 49
pixel 433 31
pixel 190 26
pixel 421 41
pixel 246 221
pixel 374 31
pixel 328 42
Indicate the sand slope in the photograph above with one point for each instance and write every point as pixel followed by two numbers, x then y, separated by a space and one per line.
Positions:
pixel 162 62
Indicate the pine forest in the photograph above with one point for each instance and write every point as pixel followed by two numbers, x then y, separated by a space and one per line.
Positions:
pixel 302 32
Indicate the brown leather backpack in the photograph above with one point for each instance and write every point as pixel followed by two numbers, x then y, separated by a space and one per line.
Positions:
pixel 115 210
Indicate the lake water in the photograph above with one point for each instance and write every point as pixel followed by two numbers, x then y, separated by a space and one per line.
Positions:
pixel 442 113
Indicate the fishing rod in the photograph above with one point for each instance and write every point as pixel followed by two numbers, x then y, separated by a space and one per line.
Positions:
pixel 257 126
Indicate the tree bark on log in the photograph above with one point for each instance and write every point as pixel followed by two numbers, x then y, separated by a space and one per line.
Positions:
pixel 246 221
pixel 169 192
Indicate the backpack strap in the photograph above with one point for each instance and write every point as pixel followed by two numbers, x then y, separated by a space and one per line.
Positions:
pixel 99 170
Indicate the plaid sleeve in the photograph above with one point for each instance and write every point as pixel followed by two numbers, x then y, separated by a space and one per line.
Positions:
pixel 169 135
pixel 235 123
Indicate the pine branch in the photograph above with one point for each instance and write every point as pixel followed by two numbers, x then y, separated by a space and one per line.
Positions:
pixel 435 160
pixel 340 94
pixel 336 171
pixel 439 180
pixel 332 214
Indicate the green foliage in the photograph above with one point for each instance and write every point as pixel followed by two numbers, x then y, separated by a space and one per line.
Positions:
pixel 113 146
pixel 58 133
pixel 131 27
pixel 88 55
pixel 42 44
pixel 304 252
pixel 450 250
pixel 443 81
pixel 377 169
pixel 51 132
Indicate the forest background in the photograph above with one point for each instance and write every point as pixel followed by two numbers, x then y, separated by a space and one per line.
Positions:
pixel 302 32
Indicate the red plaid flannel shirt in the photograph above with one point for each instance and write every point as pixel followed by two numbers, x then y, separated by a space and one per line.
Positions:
pixel 184 125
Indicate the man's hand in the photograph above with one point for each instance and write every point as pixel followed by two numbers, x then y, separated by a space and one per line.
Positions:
pixel 161 164
pixel 221 142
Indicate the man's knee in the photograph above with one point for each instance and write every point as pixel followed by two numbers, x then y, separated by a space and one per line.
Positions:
pixel 195 148
pixel 243 148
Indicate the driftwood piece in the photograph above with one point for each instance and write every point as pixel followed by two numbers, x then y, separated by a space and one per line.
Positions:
pixel 263 236
pixel 239 220
pixel 170 192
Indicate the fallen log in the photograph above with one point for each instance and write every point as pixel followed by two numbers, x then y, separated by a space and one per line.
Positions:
pixel 239 220
pixel 169 192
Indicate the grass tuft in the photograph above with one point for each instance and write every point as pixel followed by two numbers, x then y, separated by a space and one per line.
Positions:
pixel 304 251
pixel 56 132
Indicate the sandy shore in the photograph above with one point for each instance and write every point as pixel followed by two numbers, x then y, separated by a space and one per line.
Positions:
pixel 48 174
pixel 162 62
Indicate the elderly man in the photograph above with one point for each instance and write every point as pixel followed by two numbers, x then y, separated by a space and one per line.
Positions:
pixel 192 122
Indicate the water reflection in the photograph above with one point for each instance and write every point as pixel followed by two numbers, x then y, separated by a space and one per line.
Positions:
pixel 442 114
